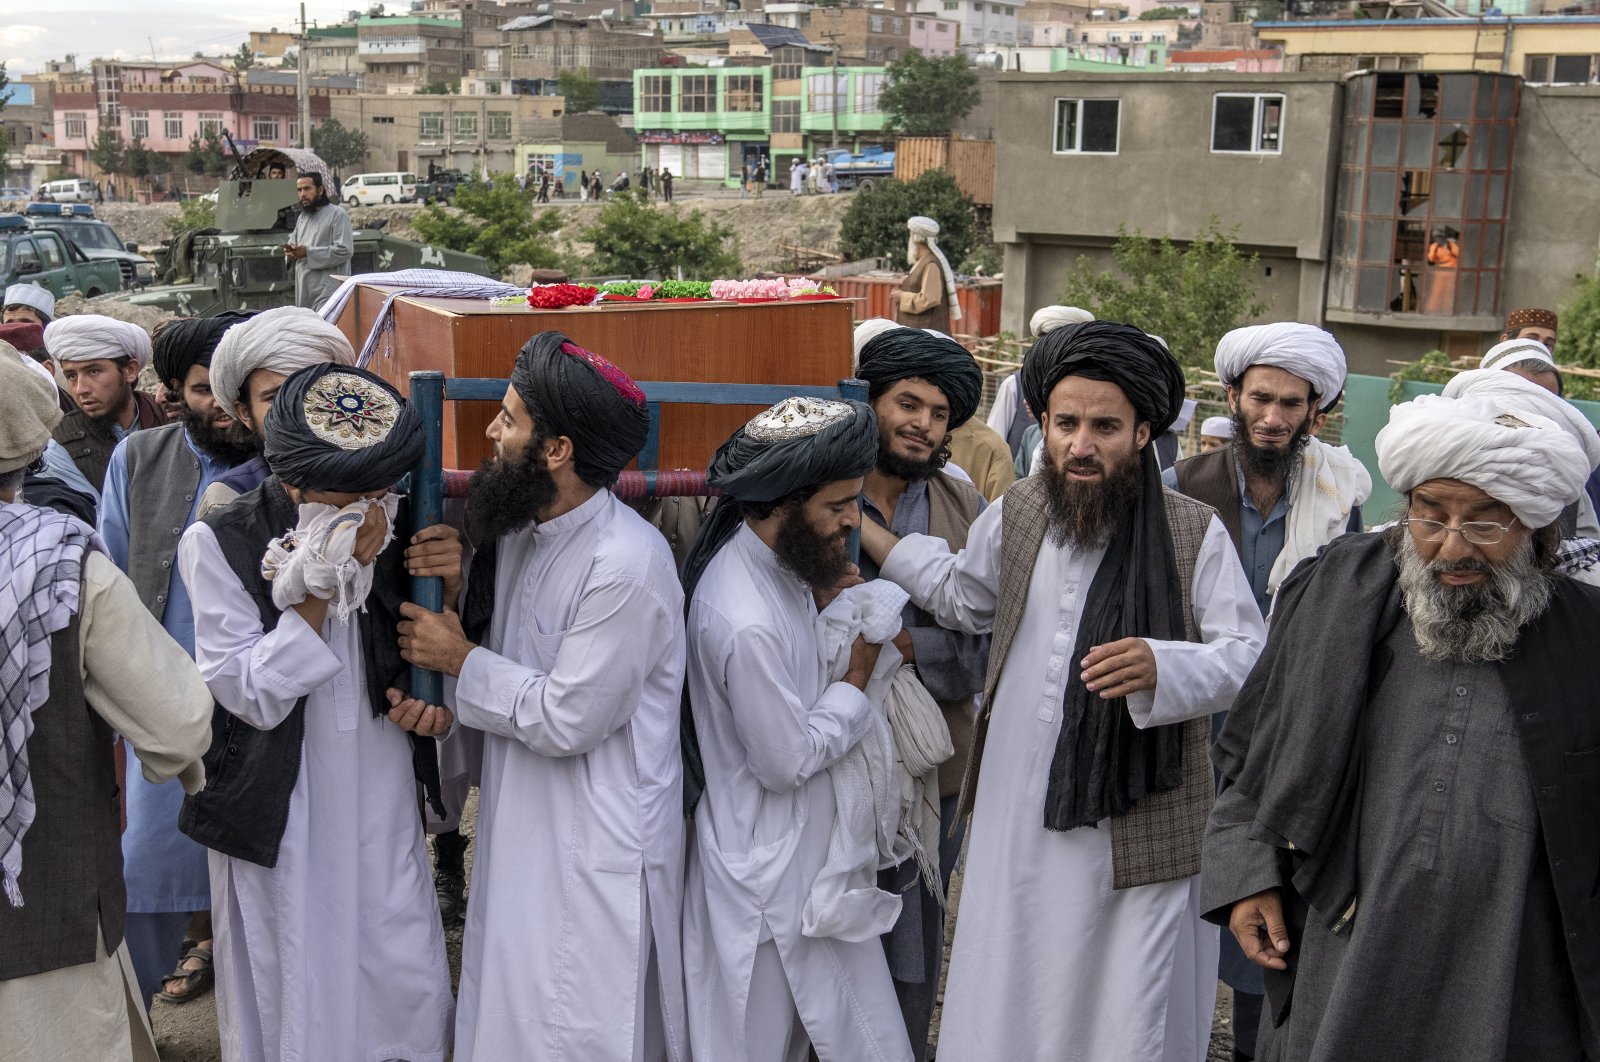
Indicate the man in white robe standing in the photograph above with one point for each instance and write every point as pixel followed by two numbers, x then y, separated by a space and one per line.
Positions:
pixel 328 943
pixel 1121 621
pixel 570 659
pixel 765 728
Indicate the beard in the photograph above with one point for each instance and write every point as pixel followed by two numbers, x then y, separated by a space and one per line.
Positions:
pixel 819 561
pixel 1084 513
pixel 233 445
pixel 1478 623
pixel 508 493
pixel 908 468
pixel 1266 462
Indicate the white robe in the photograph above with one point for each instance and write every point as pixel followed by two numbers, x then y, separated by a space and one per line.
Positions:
pixel 337 952
pixel 770 726
pixel 577 883
pixel 1049 962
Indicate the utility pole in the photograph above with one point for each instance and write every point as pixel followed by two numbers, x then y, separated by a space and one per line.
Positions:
pixel 304 81
pixel 833 142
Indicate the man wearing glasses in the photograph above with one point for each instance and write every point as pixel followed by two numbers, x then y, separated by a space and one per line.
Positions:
pixel 1405 838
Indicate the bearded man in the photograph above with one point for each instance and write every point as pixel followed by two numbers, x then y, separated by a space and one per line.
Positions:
pixel 765 728
pixel 923 388
pixel 100 359
pixel 1121 622
pixel 571 663
pixel 321 245
pixel 152 490
pixel 1405 837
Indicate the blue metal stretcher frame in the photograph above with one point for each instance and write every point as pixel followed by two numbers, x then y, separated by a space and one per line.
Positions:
pixel 431 390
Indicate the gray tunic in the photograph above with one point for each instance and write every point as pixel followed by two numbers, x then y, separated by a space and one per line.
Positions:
pixel 1455 949
pixel 329 244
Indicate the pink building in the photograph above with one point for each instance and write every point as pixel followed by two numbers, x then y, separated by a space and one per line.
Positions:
pixel 935 36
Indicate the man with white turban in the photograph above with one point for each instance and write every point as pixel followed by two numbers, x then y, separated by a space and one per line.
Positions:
pixel 1282 494
pixel 100 358
pixel 1580 531
pixel 927 297
pixel 1527 358
pixel 249 365
pixel 31 303
pixel 1009 415
pixel 1433 757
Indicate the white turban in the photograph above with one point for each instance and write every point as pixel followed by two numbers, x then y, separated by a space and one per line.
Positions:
pixel 1217 427
pixel 866 332
pixel 284 340
pixel 926 230
pixel 90 337
pixel 1301 349
pixel 1512 351
pixel 1516 390
pixel 1503 447
pixel 1048 317
pixel 32 295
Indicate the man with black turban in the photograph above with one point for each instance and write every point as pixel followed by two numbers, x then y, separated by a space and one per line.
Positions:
pixel 923 388
pixel 1120 622
pixel 152 488
pixel 571 663
pixel 328 938
pixel 768 726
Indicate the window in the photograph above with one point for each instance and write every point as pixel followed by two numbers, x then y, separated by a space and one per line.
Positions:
pixel 655 94
pixel 897 25
pixel 786 64
pixel 499 125
pixel 941 27
pixel 825 89
pixel 785 116
pixel 1385 62
pixel 383 119
pixel 51 252
pixel 1087 126
pixel 294 132
pixel 432 125
pixel 868 88
pixel 875 23
pixel 520 51
pixel 1559 69
pixel 264 128
pixel 697 94
pixel 139 125
pixel 1247 124
pixel 744 93
pixel 172 124
pixel 919 23
pixel 77 126
pixel 210 122
pixel 466 127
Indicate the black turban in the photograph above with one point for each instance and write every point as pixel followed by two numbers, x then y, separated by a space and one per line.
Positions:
pixel 182 344
pixel 341 429
pixel 903 353
pixel 577 393
pixel 798 443
pixel 1116 353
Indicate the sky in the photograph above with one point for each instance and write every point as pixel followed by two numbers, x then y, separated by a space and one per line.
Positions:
pixel 32 31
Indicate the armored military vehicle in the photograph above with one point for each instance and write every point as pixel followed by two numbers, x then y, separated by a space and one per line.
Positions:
pixel 240 265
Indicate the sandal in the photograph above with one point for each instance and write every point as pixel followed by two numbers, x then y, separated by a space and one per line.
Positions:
pixel 197 982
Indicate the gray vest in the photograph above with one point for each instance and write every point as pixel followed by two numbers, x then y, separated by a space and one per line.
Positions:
pixel 163 477
pixel 1159 839
pixel 71 882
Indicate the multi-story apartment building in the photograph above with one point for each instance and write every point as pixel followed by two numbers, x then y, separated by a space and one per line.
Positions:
pixel 409 52
pixel 332 51
pixel 982 21
pixel 473 133
pixel 1545 49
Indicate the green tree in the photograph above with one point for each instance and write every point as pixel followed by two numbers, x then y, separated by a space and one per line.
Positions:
pixel 875 224
pixel 5 140
pixel 495 222
pixel 339 146
pixel 290 61
pixel 244 58
pixel 205 156
pixel 109 151
pixel 637 239
pixel 1189 295
pixel 139 161
pixel 1164 13
pixel 925 97
pixel 193 214
pixel 1579 342
pixel 581 90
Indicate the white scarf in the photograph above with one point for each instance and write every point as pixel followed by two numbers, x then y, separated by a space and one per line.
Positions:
pixel 921 743
pixel 317 559
pixel 1330 483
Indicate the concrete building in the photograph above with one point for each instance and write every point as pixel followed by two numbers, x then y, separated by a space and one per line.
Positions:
pixel 577 144
pixel 1238 61
pixel 271 44
pixel 1553 49
pixel 410 131
pixel 1055 13
pixel 982 21
pixel 540 47
pixel 703 123
pixel 935 37
pixel 333 51
pixel 409 52
pixel 1227 24
pixel 1342 186
pixel 873 35
pixel 1080 58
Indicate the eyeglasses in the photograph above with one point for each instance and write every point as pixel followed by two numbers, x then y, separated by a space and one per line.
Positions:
pixel 1478 532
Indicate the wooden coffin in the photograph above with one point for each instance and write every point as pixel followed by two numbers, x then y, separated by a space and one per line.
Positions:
pixel 704 342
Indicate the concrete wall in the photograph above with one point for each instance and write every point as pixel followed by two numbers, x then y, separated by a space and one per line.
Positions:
pixel 1280 203
pixel 1554 226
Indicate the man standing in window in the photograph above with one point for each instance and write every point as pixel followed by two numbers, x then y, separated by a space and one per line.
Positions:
pixel 321 245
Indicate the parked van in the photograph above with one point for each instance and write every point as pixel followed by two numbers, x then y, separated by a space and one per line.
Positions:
pixel 365 189
pixel 73 190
